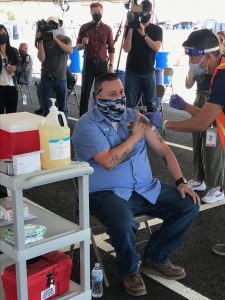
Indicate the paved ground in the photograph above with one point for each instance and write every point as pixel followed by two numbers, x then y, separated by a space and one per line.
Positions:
pixel 205 271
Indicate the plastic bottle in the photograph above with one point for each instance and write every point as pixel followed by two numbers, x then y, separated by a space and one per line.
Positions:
pixel 54 140
pixel 96 281
pixel 24 99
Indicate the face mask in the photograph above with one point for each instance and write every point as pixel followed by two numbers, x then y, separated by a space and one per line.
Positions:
pixel 3 38
pixel 197 70
pixel 96 17
pixel 54 31
pixel 22 53
pixel 145 18
pixel 112 109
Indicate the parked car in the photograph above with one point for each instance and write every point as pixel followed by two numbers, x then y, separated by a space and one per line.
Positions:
pixel 183 25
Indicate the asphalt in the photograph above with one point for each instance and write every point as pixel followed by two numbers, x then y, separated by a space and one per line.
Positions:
pixel 205 271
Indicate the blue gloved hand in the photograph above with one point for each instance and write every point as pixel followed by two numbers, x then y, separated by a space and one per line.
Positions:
pixel 177 102
pixel 155 118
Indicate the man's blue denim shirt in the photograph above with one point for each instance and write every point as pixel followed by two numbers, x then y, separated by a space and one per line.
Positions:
pixel 94 133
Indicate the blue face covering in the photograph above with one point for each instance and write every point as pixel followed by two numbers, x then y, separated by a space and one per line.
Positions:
pixel 112 109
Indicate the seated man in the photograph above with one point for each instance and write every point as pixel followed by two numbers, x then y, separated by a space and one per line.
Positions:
pixel 112 138
pixel 24 70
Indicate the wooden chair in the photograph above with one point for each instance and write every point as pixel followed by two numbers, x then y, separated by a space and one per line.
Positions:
pixel 160 91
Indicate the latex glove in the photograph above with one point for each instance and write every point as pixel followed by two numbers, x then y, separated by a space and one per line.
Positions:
pixel 177 102
pixel 155 118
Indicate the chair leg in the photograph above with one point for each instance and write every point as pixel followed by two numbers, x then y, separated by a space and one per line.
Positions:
pixel 106 281
pixel 71 251
pixel 30 93
pixel 20 91
pixel 148 227
pixel 161 110
pixel 77 100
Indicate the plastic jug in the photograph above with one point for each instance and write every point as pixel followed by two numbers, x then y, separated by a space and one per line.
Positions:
pixel 54 140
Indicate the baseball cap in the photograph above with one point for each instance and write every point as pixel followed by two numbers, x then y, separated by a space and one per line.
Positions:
pixel 53 19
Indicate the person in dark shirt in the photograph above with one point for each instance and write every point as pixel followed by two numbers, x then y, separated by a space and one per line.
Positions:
pixel 97 40
pixel 9 60
pixel 53 54
pixel 141 44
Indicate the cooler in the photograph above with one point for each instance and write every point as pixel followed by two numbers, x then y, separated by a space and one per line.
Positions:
pixel 75 61
pixel 19 133
pixel 47 277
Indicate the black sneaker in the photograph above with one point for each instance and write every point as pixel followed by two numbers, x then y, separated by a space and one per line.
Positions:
pixel 39 111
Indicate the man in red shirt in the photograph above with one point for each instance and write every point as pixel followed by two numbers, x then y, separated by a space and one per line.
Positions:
pixel 96 39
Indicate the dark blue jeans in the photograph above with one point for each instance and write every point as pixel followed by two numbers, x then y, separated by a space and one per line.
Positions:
pixel 117 215
pixel 90 72
pixel 54 88
pixel 137 84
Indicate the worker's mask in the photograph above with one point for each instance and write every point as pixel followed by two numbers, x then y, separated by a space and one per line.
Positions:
pixel 112 108
pixel 197 70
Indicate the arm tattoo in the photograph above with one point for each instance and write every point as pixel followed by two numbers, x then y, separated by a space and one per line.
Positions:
pixel 144 120
pixel 118 159
pixel 164 159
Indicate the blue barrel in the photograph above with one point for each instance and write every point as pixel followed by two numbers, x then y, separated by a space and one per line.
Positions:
pixel 159 76
pixel 162 60
pixel 167 79
pixel 121 75
pixel 75 61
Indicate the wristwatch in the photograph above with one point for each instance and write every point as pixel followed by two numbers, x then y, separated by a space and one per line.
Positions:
pixel 181 180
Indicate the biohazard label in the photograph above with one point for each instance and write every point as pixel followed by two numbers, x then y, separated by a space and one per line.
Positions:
pixel 48 293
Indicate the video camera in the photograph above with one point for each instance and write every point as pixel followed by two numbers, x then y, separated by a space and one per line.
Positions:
pixel 137 12
pixel 45 29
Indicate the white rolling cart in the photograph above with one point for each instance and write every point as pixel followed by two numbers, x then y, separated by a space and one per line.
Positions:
pixel 60 231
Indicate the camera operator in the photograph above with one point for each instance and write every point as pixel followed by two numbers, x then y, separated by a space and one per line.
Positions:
pixel 53 50
pixel 142 40
pixel 25 69
pixel 97 39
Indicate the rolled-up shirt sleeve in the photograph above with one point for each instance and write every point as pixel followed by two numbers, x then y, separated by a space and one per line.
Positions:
pixel 111 46
pixel 88 140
